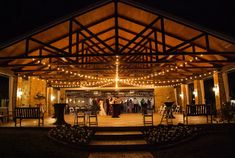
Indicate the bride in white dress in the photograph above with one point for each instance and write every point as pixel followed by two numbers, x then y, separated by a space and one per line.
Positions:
pixel 102 111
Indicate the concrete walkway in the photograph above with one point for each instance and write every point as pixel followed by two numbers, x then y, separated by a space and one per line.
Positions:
pixel 131 154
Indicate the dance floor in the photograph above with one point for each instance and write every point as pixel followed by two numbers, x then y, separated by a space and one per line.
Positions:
pixel 125 120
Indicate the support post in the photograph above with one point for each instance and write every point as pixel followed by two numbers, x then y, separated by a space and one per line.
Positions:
pixel 163 35
pixel 70 36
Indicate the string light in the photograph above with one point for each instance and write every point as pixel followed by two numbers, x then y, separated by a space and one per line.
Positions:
pixel 139 81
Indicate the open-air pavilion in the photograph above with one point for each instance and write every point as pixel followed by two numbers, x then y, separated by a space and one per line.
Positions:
pixel 115 46
pixel 140 66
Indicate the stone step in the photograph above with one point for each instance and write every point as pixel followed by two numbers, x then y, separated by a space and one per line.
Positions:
pixel 118 145
pixel 126 154
pixel 118 138
pixel 118 135
pixel 118 142
pixel 97 129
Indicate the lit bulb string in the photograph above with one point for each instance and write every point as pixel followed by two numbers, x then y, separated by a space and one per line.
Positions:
pixel 72 73
pixel 117 72
pixel 85 83
pixel 106 84
pixel 167 81
pixel 129 82
pixel 165 70
pixel 162 72
pixel 136 79
pixel 81 86
pixel 151 85
pixel 83 76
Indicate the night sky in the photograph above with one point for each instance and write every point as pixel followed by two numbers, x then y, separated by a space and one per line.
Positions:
pixel 22 16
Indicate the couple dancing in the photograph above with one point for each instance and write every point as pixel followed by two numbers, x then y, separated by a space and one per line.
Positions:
pixel 102 111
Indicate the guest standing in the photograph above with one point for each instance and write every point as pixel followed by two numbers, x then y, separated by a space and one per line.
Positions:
pixel 136 104
pixel 107 107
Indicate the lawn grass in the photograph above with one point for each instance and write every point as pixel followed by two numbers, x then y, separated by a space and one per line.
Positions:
pixel 33 143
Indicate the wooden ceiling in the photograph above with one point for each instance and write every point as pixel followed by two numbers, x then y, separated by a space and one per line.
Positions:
pixel 149 47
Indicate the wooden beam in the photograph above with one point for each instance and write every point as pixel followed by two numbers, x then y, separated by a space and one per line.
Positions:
pixel 116 27
pixel 49 46
pixel 159 30
pixel 207 42
pixel 70 36
pixel 163 35
pixel 93 35
pixel 141 41
pixel 112 55
pixel 77 46
pixel 26 47
pixel 139 34
pixel 150 49
pixel 156 43
pixel 34 63
pixel 148 9
pixel 185 42
pixel 134 33
pixel 136 45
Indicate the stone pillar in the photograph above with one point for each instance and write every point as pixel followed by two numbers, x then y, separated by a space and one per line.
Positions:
pixel 199 92
pixel 187 94
pixel 176 99
pixel 58 96
pixel 161 95
pixel 226 86
pixel 178 91
pixel 184 95
pixel 202 91
pixel 12 92
pixel 49 103
pixel 13 97
pixel 220 96
pixel 155 99
pixel 63 95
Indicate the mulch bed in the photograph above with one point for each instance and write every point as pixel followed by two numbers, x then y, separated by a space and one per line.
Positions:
pixel 217 141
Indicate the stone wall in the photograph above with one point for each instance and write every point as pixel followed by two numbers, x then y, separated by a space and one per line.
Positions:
pixel 30 87
pixel 220 96
pixel 178 91
pixel 161 94
pixel 52 98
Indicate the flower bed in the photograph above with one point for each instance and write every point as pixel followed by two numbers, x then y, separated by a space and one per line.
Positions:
pixel 73 135
pixel 163 135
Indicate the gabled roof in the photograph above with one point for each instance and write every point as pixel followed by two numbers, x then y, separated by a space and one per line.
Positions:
pixel 152 46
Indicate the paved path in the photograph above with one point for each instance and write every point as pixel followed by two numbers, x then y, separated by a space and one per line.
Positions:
pixel 121 155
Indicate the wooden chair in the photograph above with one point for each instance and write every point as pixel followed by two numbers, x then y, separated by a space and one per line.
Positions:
pixel 79 117
pixel 93 118
pixel 148 117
